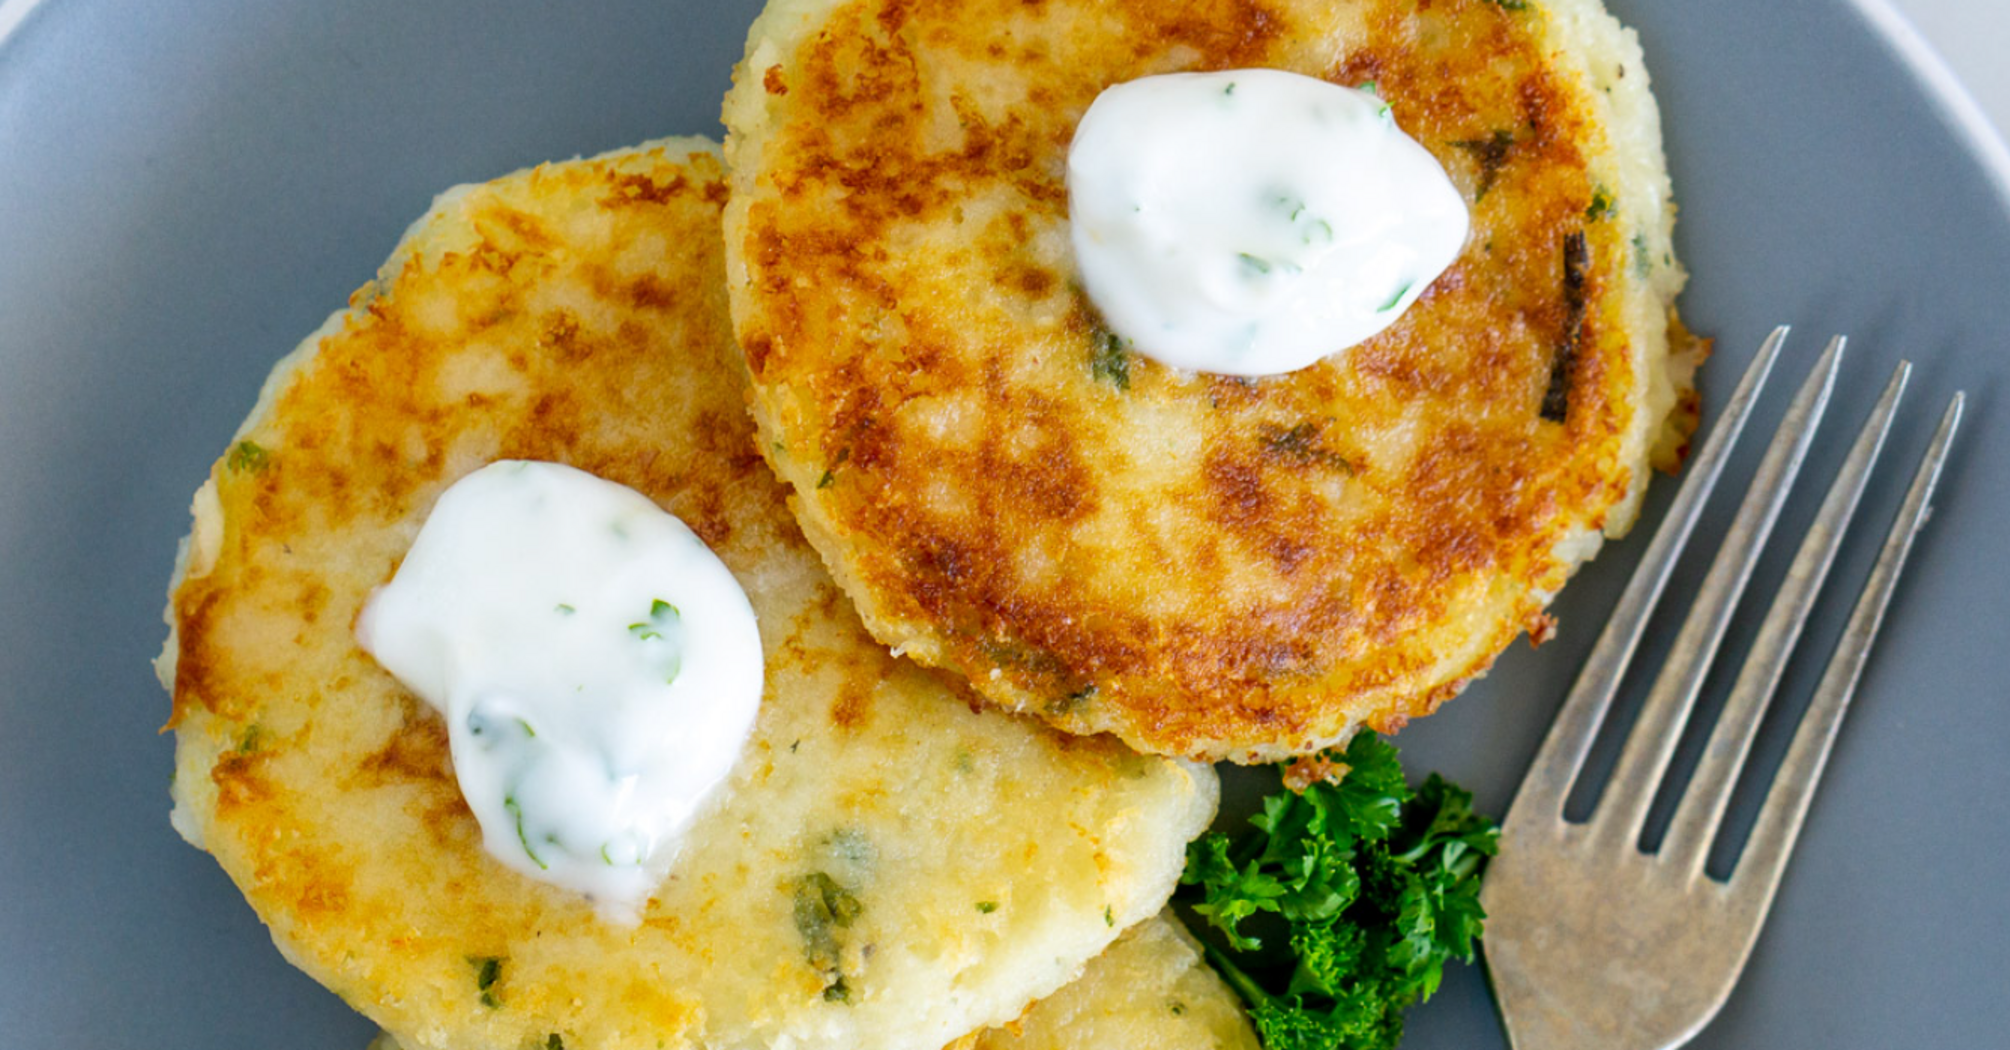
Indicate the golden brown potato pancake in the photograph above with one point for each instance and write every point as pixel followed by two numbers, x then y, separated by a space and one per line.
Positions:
pixel 1205 566
pixel 1149 991
pixel 576 313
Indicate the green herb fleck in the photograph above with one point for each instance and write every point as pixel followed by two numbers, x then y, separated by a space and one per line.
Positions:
pixel 987 907
pixel 516 813
pixel 1511 5
pixel 1602 206
pixel 488 969
pixel 250 740
pixel 248 457
pixel 1370 87
pixel 565 610
pixel 1375 885
pixel 553 1042
pixel 1109 917
pixel 1490 155
pixel 1643 258
pixel 823 908
pixel 1178 1008
pixel 1109 362
pixel 1230 89
pixel 830 474
pixel 1251 262
pixel 662 616
pixel 1067 704
pixel 1555 405
pixel 851 846
pixel 1398 297
pixel 1301 445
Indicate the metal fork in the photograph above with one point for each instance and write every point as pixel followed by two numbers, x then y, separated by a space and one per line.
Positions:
pixel 1593 943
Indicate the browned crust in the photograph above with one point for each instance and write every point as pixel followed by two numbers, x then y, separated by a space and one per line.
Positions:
pixel 1347 544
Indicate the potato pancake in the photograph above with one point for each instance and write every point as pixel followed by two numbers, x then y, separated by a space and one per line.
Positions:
pixel 1150 991
pixel 1203 565
pixel 888 865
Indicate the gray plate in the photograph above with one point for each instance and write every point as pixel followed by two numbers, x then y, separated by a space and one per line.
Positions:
pixel 182 196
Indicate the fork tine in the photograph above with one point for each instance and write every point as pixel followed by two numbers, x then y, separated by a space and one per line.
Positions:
pixel 1651 743
pixel 1701 810
pixel 1563 749
pixel 1786 807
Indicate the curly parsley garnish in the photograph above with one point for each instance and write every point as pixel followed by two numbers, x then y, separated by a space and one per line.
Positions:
pixel 1372 885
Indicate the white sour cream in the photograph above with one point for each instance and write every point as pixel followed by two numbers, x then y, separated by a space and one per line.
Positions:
pixel 1253 221
pixel 598 668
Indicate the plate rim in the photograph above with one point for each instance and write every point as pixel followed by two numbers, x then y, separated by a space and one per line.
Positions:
pixel 1953 103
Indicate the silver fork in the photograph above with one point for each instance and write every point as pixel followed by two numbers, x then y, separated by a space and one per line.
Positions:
pixel 1592 943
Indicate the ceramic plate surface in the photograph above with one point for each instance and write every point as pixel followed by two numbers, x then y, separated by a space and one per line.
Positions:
pixel 187 190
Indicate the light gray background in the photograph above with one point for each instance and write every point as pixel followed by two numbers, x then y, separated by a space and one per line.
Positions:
pixel 185 190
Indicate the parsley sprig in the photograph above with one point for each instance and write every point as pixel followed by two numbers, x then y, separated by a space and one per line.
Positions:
pixel 1373 886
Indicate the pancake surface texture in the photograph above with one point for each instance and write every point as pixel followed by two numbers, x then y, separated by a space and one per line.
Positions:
pixel 885 867
pixel 1150 991
pixel 1205 566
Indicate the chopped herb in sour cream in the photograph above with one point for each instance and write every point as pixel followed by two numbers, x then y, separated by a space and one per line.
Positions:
pixel 598 668
pixel 1252 221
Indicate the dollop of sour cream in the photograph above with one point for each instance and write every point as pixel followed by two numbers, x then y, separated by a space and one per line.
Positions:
pixel 598 668
pixel 1251 222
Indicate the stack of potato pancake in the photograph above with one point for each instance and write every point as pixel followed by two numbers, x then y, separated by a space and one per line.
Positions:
pixel 959 507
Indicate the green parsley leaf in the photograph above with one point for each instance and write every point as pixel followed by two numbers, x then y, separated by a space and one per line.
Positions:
pixel 1374 885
